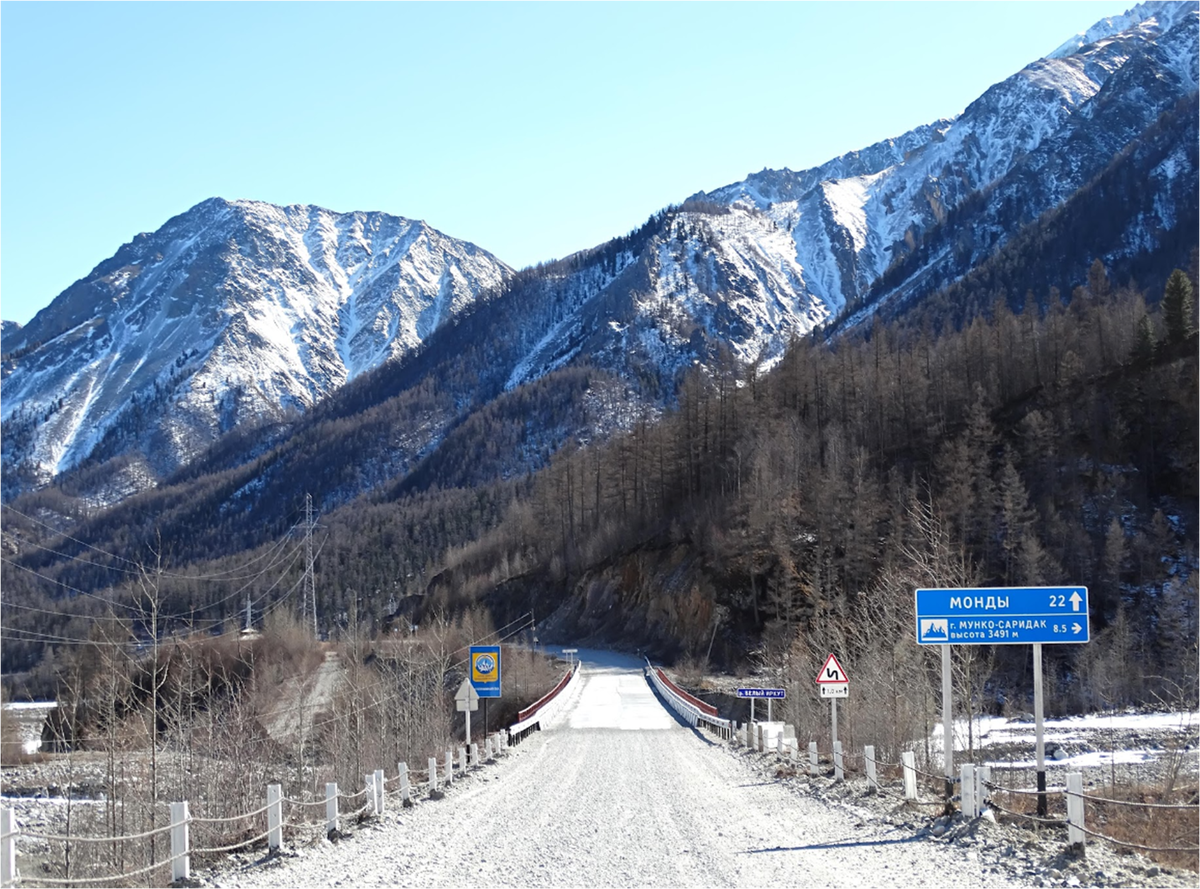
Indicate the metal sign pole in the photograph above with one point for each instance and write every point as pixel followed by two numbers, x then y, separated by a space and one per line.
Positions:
pixel 769 702
pixel 1042 803
pixel 752 711
pixel 468 712
pixel 947 724
pixel 833 703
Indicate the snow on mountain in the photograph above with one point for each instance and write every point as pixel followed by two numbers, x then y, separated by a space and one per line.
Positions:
pixel 231 312
pixel 704 278
pixel 1153 18
pixel 1040 134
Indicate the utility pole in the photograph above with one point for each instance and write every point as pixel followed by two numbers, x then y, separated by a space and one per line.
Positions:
pixel 310 584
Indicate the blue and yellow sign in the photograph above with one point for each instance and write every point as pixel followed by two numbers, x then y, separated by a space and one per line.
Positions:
pixel 485 670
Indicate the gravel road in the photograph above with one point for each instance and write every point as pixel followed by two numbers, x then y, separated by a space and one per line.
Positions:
pixel 619 793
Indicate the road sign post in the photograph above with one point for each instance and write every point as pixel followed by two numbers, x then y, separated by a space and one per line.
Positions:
pixel 834 684
pixel 1001 616
pixel 466 699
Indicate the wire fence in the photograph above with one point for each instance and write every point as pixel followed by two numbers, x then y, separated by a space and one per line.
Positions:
pixel 995 790
pixel 215 837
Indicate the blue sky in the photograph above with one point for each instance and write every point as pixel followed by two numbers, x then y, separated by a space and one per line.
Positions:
pixel 533 130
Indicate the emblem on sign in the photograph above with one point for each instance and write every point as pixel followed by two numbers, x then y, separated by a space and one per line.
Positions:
pixel 485 670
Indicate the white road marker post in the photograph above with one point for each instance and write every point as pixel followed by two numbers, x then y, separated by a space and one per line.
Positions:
pixel 8 847
pixel 434 793
pixel 405 790
pixel 380 791
pixel 1075 833
pixel 839 768
pixel 181 861
pixel 812 758
pixel 331 807
pixel 967 783
pixel 372 792
pixel 274 816
pixel 983 777
pixel 449 767
pixel 869 760
pixel 909 760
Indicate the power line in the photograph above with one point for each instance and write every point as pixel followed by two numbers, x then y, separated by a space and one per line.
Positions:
pixel 137 566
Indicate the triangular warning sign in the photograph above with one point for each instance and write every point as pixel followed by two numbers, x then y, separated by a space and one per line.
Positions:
pixel 832 672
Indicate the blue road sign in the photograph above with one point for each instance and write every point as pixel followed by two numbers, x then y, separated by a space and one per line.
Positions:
pixel 761 693
pixel 485 670
pixel 1008 616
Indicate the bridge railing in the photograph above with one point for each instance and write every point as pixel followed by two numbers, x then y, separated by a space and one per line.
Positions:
pixel 697 713
pixel 544 709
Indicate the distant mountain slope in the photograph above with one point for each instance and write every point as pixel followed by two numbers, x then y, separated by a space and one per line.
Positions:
pixel 907 216
pixel 1157 228
pixel 232 311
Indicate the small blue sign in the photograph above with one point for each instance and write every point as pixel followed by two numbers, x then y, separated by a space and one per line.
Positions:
pixel 1007 616
pixel 761 693
pixel 485 670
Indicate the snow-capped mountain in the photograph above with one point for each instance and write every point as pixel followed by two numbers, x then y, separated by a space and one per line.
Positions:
pixel 232 311
pixel 703 278
pixel 241 311
pixel 1154 18
pixel 968 183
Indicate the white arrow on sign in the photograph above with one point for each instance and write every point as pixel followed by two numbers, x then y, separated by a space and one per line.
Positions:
pixel 1075 600
pixel 1078 629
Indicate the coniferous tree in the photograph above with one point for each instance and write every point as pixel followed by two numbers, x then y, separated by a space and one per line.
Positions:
pixel 1179 307
pixel 1143 344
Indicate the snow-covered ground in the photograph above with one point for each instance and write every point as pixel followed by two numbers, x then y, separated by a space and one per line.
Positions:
pixel 619 793
pixel 1127 748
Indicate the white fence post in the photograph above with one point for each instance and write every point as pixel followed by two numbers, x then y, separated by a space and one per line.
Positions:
pixel 274 816
pixel 181 861
pixel 449 767
pixel 488 750
pixel 372 795
pixel 967 785
pixel 462 760
pixel 405 790
pixel 8 847
pixel 433 782
pixel 1075 834
pixel 475 753
pixel 812 758
pixel 839 768
pixel 869 759
pixel 331 807
pixel 909 760
pixel 983 777
pixel 380 792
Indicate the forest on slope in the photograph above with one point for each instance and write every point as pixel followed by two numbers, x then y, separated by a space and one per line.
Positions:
pixel 799 507
pixel 771 519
